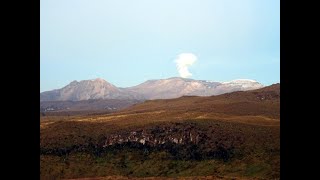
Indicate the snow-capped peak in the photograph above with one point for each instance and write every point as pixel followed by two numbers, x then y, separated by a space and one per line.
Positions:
pixel 98 80
pixel 244 84
pixel 240 81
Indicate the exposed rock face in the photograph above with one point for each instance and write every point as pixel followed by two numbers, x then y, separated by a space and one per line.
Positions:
pixel 183 135
pixel 157 136
pixel 182 140
pixel 152 89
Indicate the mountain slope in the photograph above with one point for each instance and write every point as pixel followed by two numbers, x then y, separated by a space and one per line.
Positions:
pixel 264 101
pixel 177 87
pixel 173 88
pixel 86 89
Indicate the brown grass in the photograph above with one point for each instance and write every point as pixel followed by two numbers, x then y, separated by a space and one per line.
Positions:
pixel 252 116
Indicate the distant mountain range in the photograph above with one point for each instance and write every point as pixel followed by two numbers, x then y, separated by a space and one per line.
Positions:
pixel 152 89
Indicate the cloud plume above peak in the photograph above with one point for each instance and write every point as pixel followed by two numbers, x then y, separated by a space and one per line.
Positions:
pixel 183 61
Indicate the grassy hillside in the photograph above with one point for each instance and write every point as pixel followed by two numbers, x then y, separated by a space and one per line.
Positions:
pixel 235 135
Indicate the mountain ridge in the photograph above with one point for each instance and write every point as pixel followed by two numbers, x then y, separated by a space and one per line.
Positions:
pixel 173 87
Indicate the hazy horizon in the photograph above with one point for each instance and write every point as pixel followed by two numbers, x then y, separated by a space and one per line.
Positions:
pixel 129 42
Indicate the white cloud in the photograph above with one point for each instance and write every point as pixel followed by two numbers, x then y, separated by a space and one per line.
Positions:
pixel 183 61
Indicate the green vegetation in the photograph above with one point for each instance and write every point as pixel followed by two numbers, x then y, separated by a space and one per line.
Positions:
pixel 137 164
pixel 255 153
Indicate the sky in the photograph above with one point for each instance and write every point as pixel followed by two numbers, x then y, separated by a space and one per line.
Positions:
pixel 127 42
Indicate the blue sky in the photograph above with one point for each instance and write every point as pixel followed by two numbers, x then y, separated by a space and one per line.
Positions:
pixel 127 42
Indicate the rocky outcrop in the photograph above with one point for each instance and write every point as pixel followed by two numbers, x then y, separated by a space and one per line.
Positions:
pixel 157 136
pixel 181 140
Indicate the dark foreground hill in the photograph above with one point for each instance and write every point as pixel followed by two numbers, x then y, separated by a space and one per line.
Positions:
pixel 230 136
